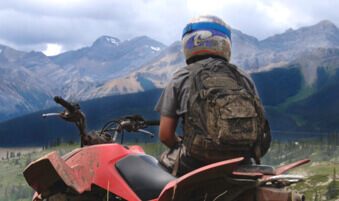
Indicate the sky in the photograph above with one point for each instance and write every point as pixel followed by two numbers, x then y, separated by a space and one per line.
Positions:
pixel 55 26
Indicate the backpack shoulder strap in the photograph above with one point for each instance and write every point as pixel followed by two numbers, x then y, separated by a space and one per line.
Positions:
pixel 194 68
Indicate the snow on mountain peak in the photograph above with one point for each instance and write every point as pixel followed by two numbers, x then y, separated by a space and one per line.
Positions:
pixel 112 40
pixel 155 48
pixel 107 41
pixel 0 51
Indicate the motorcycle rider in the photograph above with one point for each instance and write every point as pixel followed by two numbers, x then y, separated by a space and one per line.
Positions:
pixel 207 49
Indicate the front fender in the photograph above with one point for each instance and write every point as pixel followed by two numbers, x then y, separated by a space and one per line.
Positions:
pixel 51 173
pixel 80 170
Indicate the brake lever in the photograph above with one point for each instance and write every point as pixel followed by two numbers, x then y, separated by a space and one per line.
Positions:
pixel 65 115
pixel 50 114
pixel 145 131
pixel 69 116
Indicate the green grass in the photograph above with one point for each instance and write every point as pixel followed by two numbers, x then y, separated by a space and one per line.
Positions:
pixel 298 119
pixel 315 179
pixel 13 186
pixel 274 108
pixel 319 176
pixel 331 69
pixel 319 172
pixel 304 92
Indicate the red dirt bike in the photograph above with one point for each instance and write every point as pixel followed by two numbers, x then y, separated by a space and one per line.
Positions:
pixel 112 171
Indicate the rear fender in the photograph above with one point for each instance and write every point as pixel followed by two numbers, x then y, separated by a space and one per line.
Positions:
pixel 208 182
pixel 284 169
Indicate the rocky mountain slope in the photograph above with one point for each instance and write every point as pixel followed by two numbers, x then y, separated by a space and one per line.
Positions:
pixel 154 74
pixel 30 79
pixel 110 58
pixel 110 66
pixel 22 89
pixel 287 46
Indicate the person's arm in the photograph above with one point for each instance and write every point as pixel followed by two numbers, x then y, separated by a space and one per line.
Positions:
pixel 167 129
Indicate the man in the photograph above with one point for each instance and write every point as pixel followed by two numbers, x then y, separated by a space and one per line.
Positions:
pixel 222 114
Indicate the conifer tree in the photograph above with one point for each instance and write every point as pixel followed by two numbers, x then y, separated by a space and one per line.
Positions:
pixel 58 141
pixel 6 193
pixel 29 160
pixel 46 145
pixel 332 191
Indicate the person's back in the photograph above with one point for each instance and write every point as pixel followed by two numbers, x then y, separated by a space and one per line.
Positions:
pixel 222 114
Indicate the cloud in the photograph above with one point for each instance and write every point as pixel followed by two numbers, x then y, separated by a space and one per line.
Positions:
pixel 262 19
pixel 72 24
pixel 52 49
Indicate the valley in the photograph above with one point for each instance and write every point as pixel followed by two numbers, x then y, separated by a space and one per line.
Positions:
pixel 319 172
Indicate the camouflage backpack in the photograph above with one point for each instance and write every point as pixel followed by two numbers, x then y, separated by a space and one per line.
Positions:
pixel 224 118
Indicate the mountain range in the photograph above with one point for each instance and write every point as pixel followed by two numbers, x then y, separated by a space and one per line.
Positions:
pixel 291 104
pixel 29 80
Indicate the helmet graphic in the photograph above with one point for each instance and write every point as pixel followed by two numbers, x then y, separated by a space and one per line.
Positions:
pixel 206 36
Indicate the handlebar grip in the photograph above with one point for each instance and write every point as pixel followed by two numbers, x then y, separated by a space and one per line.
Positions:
pixel 153 122
pixel 64 103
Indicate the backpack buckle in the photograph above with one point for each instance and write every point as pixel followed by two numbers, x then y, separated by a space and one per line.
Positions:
pixel 203 94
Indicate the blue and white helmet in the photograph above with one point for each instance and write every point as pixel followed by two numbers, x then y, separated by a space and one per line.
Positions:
pixel 205 36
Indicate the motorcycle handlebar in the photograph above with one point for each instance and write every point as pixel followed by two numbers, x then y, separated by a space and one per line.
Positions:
pixel 67 105
pixel 136 125
pixel 153 122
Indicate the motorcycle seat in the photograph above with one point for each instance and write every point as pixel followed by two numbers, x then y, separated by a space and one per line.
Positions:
pixel 143 173
pixel 264 169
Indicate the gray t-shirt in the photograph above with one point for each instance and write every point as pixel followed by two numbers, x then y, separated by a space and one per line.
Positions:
pixel 173 100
